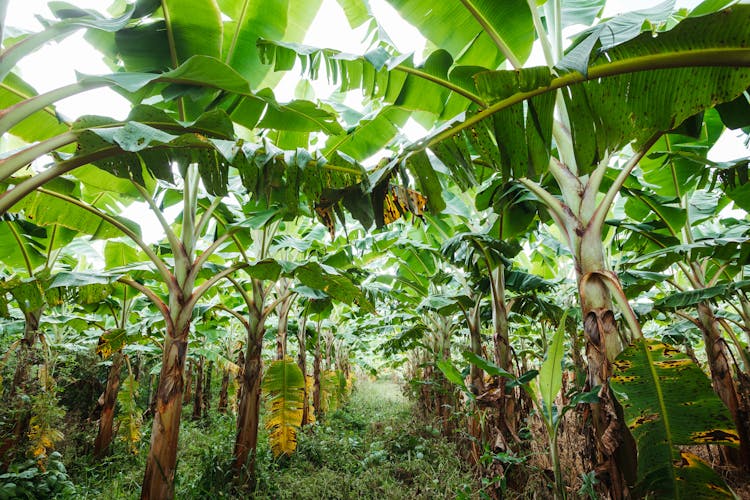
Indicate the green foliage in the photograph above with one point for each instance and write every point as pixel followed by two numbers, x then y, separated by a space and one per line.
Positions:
pixel 668 402
pixel 550 374
pixel 332 393
pixel 129 416
pixel 44 425
pixel 30 481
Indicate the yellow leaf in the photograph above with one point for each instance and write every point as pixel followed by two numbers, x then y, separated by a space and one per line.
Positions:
pixel 284 385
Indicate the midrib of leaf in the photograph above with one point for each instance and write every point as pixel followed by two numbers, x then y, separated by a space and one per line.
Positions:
pixel 663 411
pixel 409 284
pixel 238 28
pixel 25 97
pixel 172 53
pixel 671 167
pixel 659 214
pixel 22 248
pixel 712 57
pixel 557 346
pixel 318 121
pixel 328 55
pixel 337 168
pixel 337 145
pixel 443 83
pixel 421 261
pixel 496 37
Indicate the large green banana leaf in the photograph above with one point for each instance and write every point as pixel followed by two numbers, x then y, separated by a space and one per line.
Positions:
pixel 635 90
pixel 437 85
pixel 71 20
pixel 667 402
pixel 473 31
pixel 38 125
pixel 172 32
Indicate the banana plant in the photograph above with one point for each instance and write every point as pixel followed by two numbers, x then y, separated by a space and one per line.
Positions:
pixel 545 392
pixel 122 149
pixel 264 272
pixel 225 75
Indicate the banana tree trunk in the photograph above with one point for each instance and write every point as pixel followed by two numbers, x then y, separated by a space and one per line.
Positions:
pixel 198 397
pixel 151 396
pixel 240 375
pixel 474 323
pixel 207 389
pixel 329 353
pixel 30 336
pixel 602 347
pixel 302 363
pixel 158 481
pixel 188 383
pixel 745 303
pixel 223 392
pixel 281 336
pixel 104 437
pixel 501 341
pixel 717 355
pixel 316 376
pixel 248 416
pixel 447 389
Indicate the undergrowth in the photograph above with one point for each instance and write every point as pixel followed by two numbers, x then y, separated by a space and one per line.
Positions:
pixel 371 448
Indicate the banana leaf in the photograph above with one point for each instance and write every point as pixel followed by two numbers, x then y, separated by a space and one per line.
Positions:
pixel 667 402
pixel 284 383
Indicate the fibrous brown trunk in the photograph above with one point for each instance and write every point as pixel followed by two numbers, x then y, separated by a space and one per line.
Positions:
pixel 207 389
pixel 602 347
pixel 249 409
pixel 198 396
pixel 475 336
pixel 316 376
pixel 222 408
pixel 240 375
pixel 104 437
pixel 281 336
pixel 152 381
pixel 302 363
pixel 30 336
pixel 717 354
pixel 502 351
pixel 158 481
pixel 188 383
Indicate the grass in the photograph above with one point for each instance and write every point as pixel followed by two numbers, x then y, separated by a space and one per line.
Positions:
pixel 371 448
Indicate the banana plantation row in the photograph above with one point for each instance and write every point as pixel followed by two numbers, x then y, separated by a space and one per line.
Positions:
pixel 564 218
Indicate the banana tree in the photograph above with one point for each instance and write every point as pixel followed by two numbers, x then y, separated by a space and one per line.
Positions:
pixel 265 272
pixel 112 343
